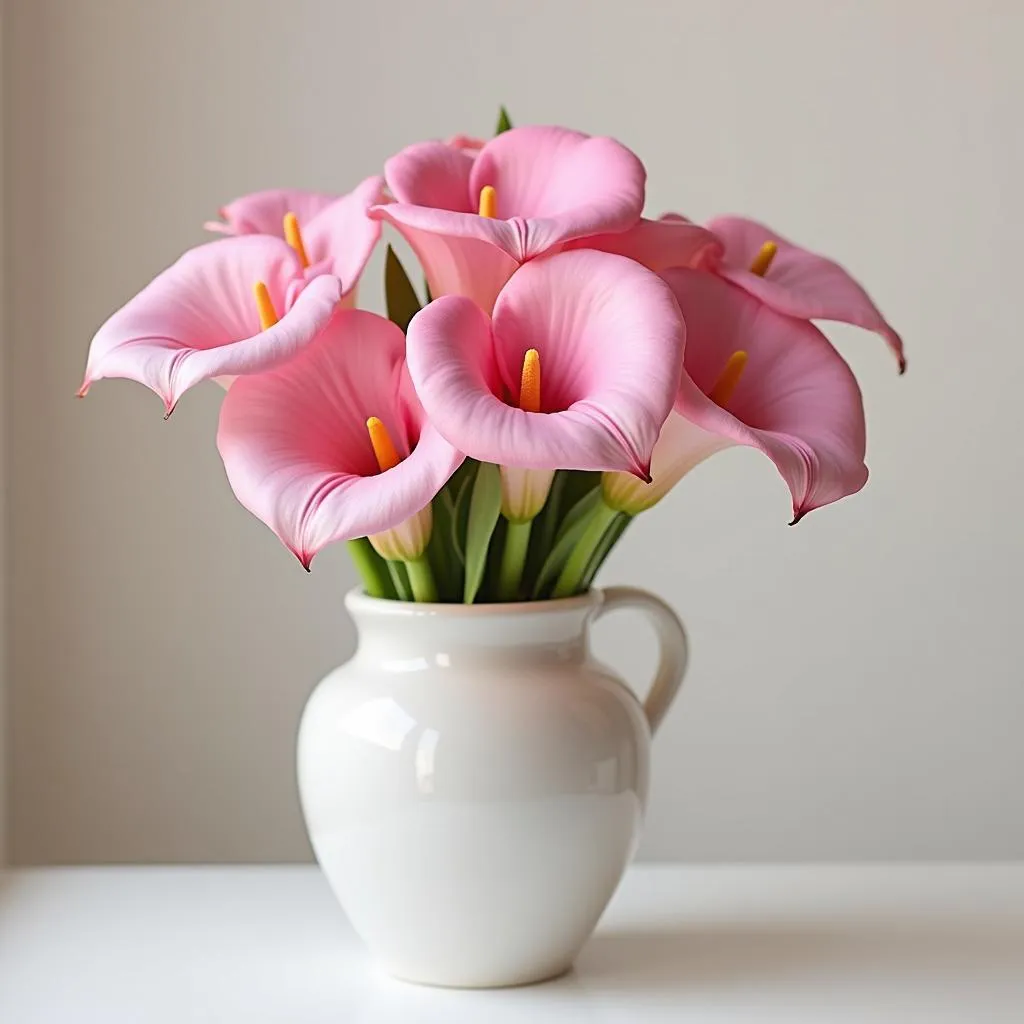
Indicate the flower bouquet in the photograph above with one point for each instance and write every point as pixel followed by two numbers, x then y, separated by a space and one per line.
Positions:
pixel 486 444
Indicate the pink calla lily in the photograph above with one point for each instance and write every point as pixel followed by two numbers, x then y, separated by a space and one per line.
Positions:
pixel 337 232
pixel 296 448
pixel 670 241
pixel 199 319
pixel 549 186
pixel 794 399
pixel 467 143
pixel 262 213
pixel 608 340
pixel 798 282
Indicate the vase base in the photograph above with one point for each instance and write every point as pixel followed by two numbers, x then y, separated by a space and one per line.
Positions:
pixel 512 980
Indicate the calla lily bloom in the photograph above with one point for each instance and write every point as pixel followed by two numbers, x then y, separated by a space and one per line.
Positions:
pixel 753 376
pixel 332 234
pixel 335 446
pixel 602 333
pixel 262 213
pixel 467 143
pixel 795 281
pixel 472 220
pixel 670 241
pixel 230 307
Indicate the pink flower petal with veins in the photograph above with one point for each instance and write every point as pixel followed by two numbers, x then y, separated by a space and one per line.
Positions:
pixel 295 444
pixel 564 184
pixel 262 213
pixel 552 186
pixel 798 282
pixel 658 244
pixel 340 238
pixel 198 319
pixel 337 231
pixel 610 340
pixel 797 401
pixel 431 174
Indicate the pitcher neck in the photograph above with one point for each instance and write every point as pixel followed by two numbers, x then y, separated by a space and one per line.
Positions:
pixel 528 631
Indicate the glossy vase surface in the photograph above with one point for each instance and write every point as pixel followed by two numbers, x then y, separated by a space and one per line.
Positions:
pixel 474 782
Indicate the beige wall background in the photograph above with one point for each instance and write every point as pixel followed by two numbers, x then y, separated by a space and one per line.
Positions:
pixel 4 344
pixel 857 688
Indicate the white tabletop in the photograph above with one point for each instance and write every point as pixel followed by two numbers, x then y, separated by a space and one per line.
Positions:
pixel 822 945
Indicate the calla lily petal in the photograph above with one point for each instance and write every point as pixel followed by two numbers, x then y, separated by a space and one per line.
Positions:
pixel 427 179
pixel 610 340
pixel 798 282
pixel 681 446
pixel 552 186
pixel 564 183
pixel 467 143
pixel 452 264
pixel 295 444
pixel 513 238
pixel 199 319
pixel 659 244
pixel 262 213
pixel 340 237
pixel 431 174
pixel 796 400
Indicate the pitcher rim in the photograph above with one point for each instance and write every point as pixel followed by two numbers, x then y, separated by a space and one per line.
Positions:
pixel 356 600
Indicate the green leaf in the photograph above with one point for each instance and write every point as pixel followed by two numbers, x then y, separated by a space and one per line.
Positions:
pixel 447 569
pixel 597 523
pixel 492 571
pixel 504 121
pixel 578 512
pixel 578 483
pixel 463 489
pixel 402 302
pixel 601 552
pixel 484 509
pixel 545 528
pixel 467 471
pixel 400 578
pixel 546 525
pixel 447 548
pixel 573 527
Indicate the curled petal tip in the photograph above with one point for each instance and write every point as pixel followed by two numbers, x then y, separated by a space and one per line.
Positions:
pixel 83 390
pixel 895 343
pixel 798 514
pixel 643 473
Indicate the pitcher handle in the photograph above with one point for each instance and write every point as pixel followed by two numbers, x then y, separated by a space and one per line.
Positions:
pixel 675 649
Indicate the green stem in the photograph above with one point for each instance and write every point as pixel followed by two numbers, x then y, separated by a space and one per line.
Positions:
pixel 400 580
pixel 513 558
pixel 421 579
pixel 372 569
pixel 571 579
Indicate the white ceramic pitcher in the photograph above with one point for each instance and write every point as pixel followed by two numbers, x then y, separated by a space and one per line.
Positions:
pixel 474 782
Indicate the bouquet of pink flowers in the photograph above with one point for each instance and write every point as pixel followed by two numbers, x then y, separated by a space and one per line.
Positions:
pixel 572 361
